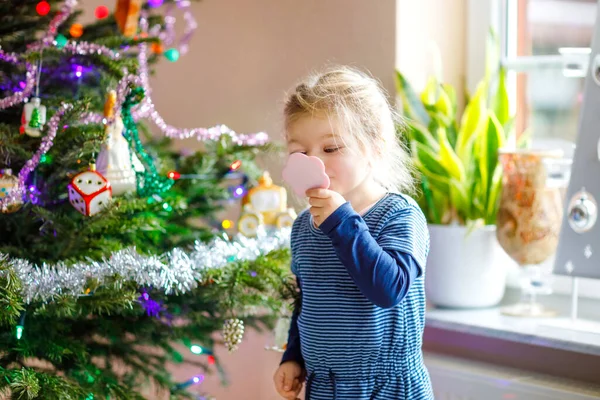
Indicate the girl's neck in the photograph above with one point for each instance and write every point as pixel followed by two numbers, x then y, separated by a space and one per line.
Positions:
pixel 365 194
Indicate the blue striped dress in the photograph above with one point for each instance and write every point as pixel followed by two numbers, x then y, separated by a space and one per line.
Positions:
pixel 353 349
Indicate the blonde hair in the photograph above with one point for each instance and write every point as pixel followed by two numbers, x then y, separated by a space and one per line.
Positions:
pixel 359 105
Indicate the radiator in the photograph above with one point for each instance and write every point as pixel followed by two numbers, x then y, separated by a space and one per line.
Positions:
pixel 458 379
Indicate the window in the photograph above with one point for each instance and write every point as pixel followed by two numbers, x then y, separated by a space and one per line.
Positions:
pixel 546 47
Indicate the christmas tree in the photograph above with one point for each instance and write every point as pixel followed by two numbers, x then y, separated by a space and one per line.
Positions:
pixel 110 254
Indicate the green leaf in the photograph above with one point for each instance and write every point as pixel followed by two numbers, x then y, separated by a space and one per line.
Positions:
pixel 411 104
pixel 459 198
pixel 431 207
pixel 429 160
pixel 419 133
pixel 431 92
pixel 177 357
pixel 438 183
pixel 448 157
pixel 494 197
pixel 488 153
pixel 452 133
pixel 437 101
pixel 451 92
pixel 474 117
pixel 438 119
pixel 477 207
pixel 500 103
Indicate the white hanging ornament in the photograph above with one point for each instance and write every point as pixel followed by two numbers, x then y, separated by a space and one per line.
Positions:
pixel 8 183
pixel 33 118
pixel 89 192
pixel 115 161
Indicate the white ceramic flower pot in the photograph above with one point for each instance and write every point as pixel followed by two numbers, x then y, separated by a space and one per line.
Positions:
pixel 465 271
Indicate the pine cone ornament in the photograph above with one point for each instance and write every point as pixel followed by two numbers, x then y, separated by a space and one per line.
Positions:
pixel 233 332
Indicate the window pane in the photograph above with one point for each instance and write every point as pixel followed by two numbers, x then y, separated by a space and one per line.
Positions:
pixel 548 25
pixel 552 104
pixel 548 99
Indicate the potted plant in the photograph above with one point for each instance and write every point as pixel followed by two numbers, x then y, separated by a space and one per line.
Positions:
pixel 456 158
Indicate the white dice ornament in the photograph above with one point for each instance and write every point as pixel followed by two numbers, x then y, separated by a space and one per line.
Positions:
pixel 89 192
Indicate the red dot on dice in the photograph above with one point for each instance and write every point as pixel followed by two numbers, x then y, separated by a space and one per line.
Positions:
pixel 211 360
pixel 101 12
pixel 42 8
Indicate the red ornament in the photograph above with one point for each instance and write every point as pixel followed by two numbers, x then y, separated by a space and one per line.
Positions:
pixel 42 8
pixel 174 175
pixel 89 192
pixel 101 12
pixel 23 122
pixel 211 360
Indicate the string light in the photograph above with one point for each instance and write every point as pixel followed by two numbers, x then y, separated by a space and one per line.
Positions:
pixel 196 380
pixel 172 54
pixel 239 191
pixel 76 30
pixel 42 8
pixel 101 12
pixel 235 165
pixel 60 41
pixel 20 329
pixel 174 175
pixel 157 48
pixel 226 224
pixel 196 349
pixel 20 326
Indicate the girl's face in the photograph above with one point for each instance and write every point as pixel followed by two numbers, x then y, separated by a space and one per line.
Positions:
pixel 348 168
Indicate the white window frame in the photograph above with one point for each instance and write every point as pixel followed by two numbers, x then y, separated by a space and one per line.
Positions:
pixel 497 14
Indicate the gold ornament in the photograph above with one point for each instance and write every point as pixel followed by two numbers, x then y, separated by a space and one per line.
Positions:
pixel 233 333
pixel 127 15
pixel 265 205
pixel 8 183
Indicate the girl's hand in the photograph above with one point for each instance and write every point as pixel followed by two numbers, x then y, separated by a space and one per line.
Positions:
pixel 288 380
pixel 323 203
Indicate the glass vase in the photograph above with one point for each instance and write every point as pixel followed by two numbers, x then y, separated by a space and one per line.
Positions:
pixel 529 220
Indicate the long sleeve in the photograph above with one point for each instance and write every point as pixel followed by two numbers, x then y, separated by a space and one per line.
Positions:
pixel 292 351
pixel 384 270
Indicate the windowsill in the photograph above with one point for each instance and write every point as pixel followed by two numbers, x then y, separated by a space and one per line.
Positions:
pixel 492 324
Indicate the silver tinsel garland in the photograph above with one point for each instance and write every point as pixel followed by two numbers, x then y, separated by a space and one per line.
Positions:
pixel 175 272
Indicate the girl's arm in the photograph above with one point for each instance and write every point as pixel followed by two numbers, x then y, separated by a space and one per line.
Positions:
pixel 292 351
pixel 384 270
